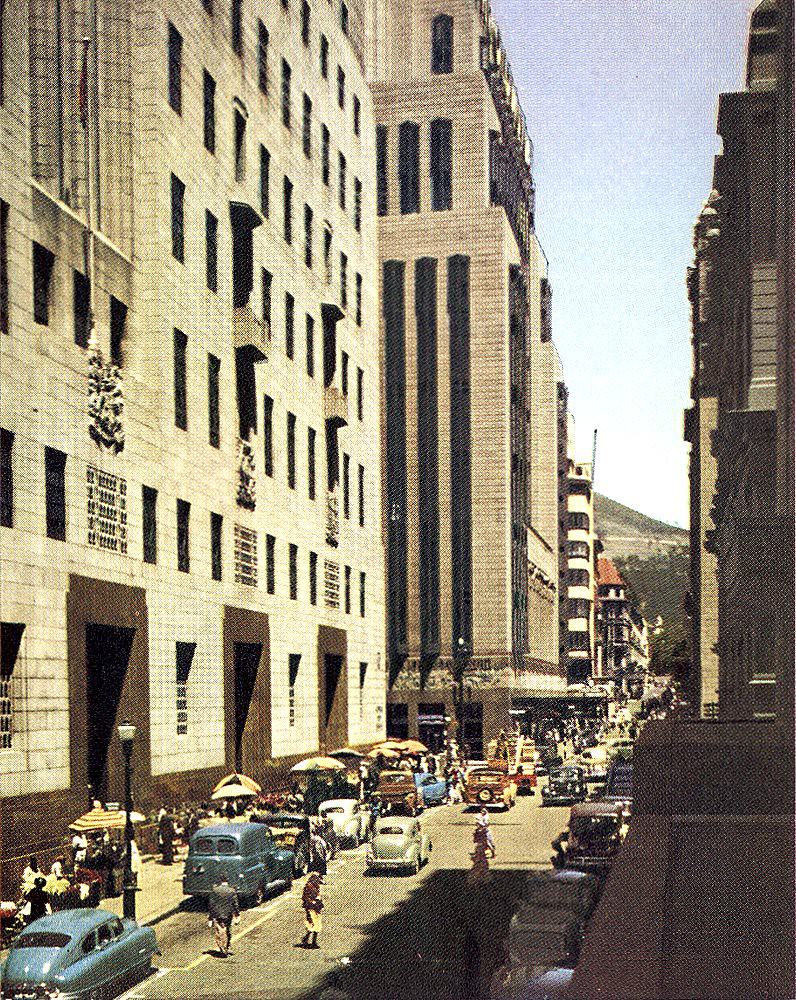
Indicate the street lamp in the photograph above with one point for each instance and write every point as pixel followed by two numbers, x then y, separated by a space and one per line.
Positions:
pixel 127 733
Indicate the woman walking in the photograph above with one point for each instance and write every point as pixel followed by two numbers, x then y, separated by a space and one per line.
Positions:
pixel 313 904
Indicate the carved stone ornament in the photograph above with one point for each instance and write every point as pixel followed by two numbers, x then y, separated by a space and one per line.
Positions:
pixel 247 495
pixel 105 402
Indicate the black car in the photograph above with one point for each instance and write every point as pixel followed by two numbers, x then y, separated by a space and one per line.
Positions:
pixel 565 786
pixel 619 784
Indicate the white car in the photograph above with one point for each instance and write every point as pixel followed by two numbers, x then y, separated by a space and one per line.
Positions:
pixel 349 819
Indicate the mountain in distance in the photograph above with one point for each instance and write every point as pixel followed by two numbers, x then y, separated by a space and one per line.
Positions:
pixel 652 557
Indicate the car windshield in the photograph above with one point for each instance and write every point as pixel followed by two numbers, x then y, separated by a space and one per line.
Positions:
pixel 394 831
pixel 594 826
pixel 42 939
pixel 216 845
pixel 333 811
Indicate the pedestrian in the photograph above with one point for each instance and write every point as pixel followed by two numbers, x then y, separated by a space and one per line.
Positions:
pixel 319 852
pixel 313 904
pixel 166 837
pixel 79 849
pixel 223 908
pixel 482 827
pixel 37 901
pixel 31 873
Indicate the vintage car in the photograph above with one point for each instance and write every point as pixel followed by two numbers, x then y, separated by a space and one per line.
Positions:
pixel 561 890
pixel 565 785
pixel 291 832
pixel 349 819
pixel 408 792
pixel 245 853
pixel 398 842
pixel 77 955
pixel 542 938
pixel 594 835
pixel 488 786
pixel 524 777
pixel 594 762
pixel 619 784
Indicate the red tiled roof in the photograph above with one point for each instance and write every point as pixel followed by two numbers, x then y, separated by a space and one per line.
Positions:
pixel 607 573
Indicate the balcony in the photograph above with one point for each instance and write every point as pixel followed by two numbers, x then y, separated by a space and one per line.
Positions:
pixel 332 518
pixel 250 333
pixel 335 407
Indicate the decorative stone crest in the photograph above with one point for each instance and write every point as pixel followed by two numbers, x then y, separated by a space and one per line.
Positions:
pixel 247 495
pixel 105 402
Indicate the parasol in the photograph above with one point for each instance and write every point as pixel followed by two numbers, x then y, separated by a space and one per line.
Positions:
pixel 318 764
pixel 233 792
pixel 383 752
pixel 103 819
pixel 238 779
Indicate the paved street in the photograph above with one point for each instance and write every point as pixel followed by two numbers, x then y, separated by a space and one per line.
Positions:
pixel 437 935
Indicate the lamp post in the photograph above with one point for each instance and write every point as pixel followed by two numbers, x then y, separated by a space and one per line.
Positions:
pixel 127 733
pixel 460 662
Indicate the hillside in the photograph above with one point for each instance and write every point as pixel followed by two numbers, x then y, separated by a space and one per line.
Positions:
pixel 651 555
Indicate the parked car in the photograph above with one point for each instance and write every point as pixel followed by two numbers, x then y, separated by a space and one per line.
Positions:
pixel 595 834
pixel 486 786
pixel 565 785
pixel 398 842
pixel 542 938
pixel 408 792
pixel 561 890
pixel 291 832
pixel 77 954
pixel 619 784
pixel 245 853
pixel 550 985
pixel 349 819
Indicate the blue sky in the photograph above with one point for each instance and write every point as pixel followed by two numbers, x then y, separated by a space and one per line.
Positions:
pixel 620 98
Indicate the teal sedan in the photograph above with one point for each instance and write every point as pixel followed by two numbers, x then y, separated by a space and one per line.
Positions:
pixel 398 842
pixel 77 955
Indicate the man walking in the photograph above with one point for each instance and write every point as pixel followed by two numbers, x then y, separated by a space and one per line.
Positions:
pixel 313 904
pixel 222 908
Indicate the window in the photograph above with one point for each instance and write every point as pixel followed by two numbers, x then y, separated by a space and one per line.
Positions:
pixel 440 158
pixel 578 521
pixel 578 577
pixel 268 435
pixel 344 372
pixel 3 256
pixel 265 178
pixel 213 409
pixel 360 390
pixel 358 288
pixel 183 536
pixel 362 591
pixel 262 57
pixel 341 170
pixel 579 607
pixel 177 219
pixel 149 500
pixel 308 236
pixel 211 251
pixel 327 252
pixel 325 171
pixel 209 112
pixel 357 114
pixel 267 282
pixel 347 589
pixel 245 541
pixel 340 87
pixel 118 330
pixel 409 167
pixel 55 493
pixel 344 17
pixel 357 204
pixel 290 325
pixel 323 56
pixel 343 280
pixel 236 28
pixel 216 522
pixel 270 564
pixel 311 462
pixel 208 6
pixel 346 487
pixel 287 208
pixel 286 74
pixel 442 44
pixel 306 127
pixel 293 571
pixel 175 69
pixel 184 656
pixel 363 673
pixel 180 396
pixel 240 146
pixel 305 22
pixel 6 479
pixel 382 188
pixel 578 550
pixel 361 494
pixel 310 335
pixel 293 664
pixel 81 308
pixel 291 451
pixel 313 577
pixel 43 261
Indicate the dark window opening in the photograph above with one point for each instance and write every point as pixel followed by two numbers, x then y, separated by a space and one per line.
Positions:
pixel 211 251
pixel 442 44
pixel 341 173
pixel 291 451
pixel 267 283
pixel 358 310
pixel 286 76
pixel 180 391
pixel 361 495
pixel 3 254
pixel 287 208
pixel 344 372
pixel 382 189
pixel 81 308
pixel 175 69
pixel 347 590
pixel 213 404
pixel 290 324
pixel 313 577
pixel 357 204
pixel 236 27
pixel 262 57
pixel 209 112
pixel 310 335
pixel 270 564
pixel 307 236
pixel 311 462
pixel 362 593
pixel 265 177
pixel 323 56
pixel 343 280
pixel 360 392
pixel 340 87
pixel 325 170
pixel 240 146
pixel 246 664
pixel 118 330
pixel 357 112
pixel 293 571
pixel 441 161
pixel 268 435
pixel 185 652
pixel 149 499
pixel 344 17
pixel 43 262
pixel 306 127
pixel 246 390
pixel 6 479
pixel 409 167
pixel 346 486
pixel 177 219
pixel 183 536
pixel 305 22
pixel 55 493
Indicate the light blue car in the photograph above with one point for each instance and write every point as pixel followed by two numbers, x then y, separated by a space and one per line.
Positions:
pixel 431 790
pixel 77 955
pixel 243 853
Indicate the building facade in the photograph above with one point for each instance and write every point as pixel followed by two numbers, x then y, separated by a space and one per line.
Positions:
pixel 191 514
pixel 622 634
pixel 581 579
pixel 741 503
pixel 470 378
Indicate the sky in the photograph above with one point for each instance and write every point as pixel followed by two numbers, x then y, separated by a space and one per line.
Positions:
pixel 620 98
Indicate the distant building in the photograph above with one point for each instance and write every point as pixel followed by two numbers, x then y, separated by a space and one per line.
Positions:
pixel 581 580
pixel 470 379
pixel 623 654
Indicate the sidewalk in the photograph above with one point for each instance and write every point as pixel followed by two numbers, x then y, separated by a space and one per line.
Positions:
pixel 159 892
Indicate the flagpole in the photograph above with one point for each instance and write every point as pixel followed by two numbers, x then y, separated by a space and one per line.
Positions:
pixel 88 156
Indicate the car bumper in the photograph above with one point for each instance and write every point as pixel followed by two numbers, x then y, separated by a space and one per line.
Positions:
pixel 372 862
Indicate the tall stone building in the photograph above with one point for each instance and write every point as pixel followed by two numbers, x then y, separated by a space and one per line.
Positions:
pixel 581 578
pixel 741 503
pixel 470 378
pixel 191 513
